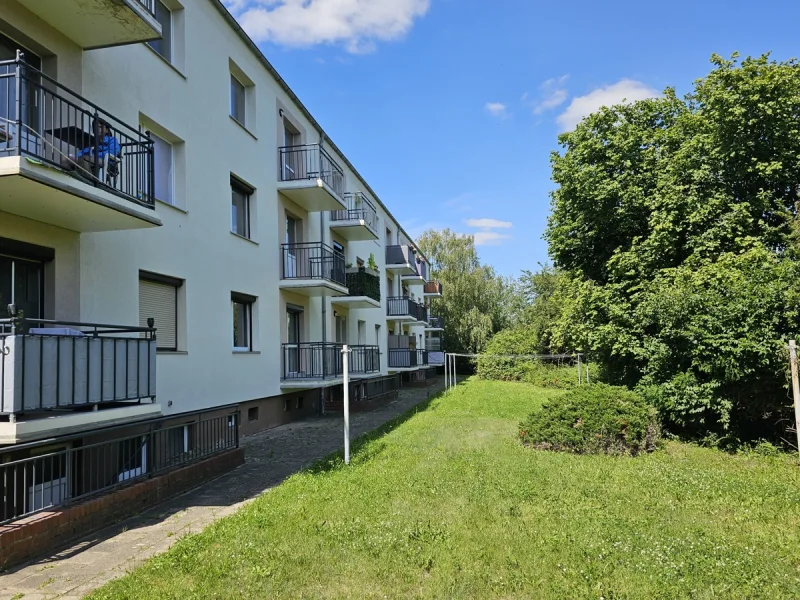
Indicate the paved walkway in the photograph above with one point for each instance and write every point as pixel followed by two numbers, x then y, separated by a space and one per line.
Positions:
pixel 270 457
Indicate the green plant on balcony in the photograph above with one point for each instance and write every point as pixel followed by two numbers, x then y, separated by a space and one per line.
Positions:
pixel 371 264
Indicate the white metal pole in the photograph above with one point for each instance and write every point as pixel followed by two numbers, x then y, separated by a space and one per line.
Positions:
pixel 579 369
pixel 346 383
pixel 587 372
pixel 445 372
pixel 795 388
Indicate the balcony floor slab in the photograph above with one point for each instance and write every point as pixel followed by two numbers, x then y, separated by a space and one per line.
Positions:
pixel 29 428
pixel 314 195
pixel 357 302
pixel 314 287
pixel 354 230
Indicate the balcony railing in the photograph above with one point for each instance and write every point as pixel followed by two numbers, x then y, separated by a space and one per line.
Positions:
pixel 401 255
pixel 313 260
pixel 42 119
pixel 433 287
pixel 47 365
pixel 312 360
pixel 148 5
pixel 404 358
pixel 359 208
pixel 434 344
pixel 435 322
pixel 364 359
pixel 406 307
pixel 366 284
pixel 60 477
pixel 299 163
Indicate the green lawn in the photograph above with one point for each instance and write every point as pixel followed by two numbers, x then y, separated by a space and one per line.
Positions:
pixel 448 504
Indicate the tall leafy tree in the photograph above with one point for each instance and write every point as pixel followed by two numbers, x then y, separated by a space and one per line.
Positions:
pixel 673 216
pixel 473 294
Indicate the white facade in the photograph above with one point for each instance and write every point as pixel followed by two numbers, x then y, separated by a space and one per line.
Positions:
pixel 186 101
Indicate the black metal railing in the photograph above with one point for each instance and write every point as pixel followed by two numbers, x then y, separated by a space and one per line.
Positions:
pixel 422 269
pixel 366 284
pixel 312 260
pixel 435 322
pixel 406 358
pixel 148 5
pixel 359 208
pixel 47 365
pixel 312 360
pixel 403 306
pixel 62 476
pixel 433 287
pixel 401 255
pixel 364 359
pixel 42 119
pixel 311 161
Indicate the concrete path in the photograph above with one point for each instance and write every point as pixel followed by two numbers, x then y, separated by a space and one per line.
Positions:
pixel 270 457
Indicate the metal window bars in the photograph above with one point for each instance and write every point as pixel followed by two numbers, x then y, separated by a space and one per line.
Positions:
pixel 46 121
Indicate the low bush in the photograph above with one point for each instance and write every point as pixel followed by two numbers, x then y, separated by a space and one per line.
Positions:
pixel 593 419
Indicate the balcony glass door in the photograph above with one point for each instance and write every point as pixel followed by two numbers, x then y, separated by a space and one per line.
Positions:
pixel 294 324
pixel 21 285
pixel 290 257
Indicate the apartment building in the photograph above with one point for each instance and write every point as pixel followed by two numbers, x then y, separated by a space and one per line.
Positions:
pixel 183 250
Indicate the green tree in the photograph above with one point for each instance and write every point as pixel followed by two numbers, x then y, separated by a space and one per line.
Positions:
pixel 673 217
pixel 473 294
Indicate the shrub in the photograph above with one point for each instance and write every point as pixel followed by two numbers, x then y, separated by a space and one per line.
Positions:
pixel 593 419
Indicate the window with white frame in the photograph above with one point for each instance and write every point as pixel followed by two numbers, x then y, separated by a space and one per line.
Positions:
pixel 164 170
pixel 240 208
pixel 163 45
pixel 158 299
pixel 242 306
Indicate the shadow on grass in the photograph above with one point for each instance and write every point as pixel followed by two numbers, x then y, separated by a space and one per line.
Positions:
pixel 362 449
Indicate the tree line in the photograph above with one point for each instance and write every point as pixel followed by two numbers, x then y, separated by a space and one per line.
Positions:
pixel 674 238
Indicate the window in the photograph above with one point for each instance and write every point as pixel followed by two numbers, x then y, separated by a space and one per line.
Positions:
pixel 164 173
pixel 377 335
pixel 240 208
pixel 341 329
pixel 242 322
pixel 252 413
pixel 132 455
pixel 362 333
pixel 158 299
pixel 164 45
pixel 237 100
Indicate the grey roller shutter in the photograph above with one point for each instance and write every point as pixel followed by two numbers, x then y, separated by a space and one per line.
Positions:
pixel 159 301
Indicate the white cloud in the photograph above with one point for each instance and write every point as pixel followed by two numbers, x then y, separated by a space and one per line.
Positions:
pixel 356 24
pixel 553 94
pixel 498 109
pixel 625 90
pixel 488 224
pixel 489 238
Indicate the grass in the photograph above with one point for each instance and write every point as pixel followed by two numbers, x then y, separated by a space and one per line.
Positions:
pixel 447 503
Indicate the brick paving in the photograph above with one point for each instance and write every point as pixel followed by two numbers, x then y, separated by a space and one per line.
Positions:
pixel 270 457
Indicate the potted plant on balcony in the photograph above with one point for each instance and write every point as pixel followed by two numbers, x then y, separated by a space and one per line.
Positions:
pixel 349 268
pixel 372 266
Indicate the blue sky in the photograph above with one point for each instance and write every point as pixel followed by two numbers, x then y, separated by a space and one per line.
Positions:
pixel 450 108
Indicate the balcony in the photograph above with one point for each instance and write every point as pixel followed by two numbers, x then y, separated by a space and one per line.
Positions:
pixel 419 277
pixel 310 177
pixel 311 365
pixel 435 323
pixel 401 260
pixel 72 369
pixel 364 290
pixel 43 126
pixel 359 221
pixel 407 359
pixel 433 289
pixel 313 269
pixel 364 361
pixel 434 344
pixel 403 308
pixel 99 23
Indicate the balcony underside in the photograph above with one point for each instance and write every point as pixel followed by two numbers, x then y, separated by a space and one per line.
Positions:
pixel 313 288
pixel 401 268
pixel 310 383
pixel 413 279
pixel 39 426
pixel 354 230
pixel 433 328
pixel 314 195
pixel 35 191
pixel 407 319
pixel 407 369
pixel 433 295
pixel 97 23
pixel 357 302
